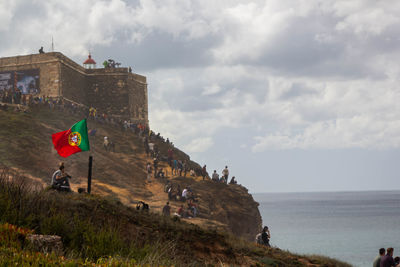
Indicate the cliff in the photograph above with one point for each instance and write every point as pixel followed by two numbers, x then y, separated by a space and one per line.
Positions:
pixel 99 231
pixel 26 147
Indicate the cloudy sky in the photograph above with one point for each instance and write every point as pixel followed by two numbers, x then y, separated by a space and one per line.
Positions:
pixel 292 95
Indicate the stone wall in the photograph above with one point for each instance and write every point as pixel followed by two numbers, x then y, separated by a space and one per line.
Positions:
pixel 113 91
pixel 137 87
pixel 49 70
pixel 109 93
pixel 74 84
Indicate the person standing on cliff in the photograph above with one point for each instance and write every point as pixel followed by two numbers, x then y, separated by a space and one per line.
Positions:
pixel 204 172
pixel 387 260
pixel 377 261
pixel 170 156
pixel 166 210
pixel 265 236
pixel 148 171
pixel 225 173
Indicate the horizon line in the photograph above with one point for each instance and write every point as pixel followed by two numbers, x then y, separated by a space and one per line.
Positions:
pixel 327 191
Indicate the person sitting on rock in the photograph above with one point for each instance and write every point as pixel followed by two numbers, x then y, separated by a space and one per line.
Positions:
pixel 215 176
pixel 233 181
pixel 174 193
pixel 190 195
pixel 181 211
pixel 178 192
pixel 141 205
pixel 160 173
pixel 184 194
pixel 167 186
pixel 189 212
pixel 60 179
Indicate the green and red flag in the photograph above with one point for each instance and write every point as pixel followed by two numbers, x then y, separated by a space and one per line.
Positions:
pixel 73 140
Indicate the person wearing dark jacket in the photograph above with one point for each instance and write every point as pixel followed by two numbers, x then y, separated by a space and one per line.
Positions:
pixel 265 236
pixel 387 260
pixel 377 260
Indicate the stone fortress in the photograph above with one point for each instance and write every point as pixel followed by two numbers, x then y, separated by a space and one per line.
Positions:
pixel 114 90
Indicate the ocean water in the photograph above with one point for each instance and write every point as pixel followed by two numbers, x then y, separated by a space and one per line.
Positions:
pixel 349 226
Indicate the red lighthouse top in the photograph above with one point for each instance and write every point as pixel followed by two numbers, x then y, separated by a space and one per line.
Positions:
pixel 89 60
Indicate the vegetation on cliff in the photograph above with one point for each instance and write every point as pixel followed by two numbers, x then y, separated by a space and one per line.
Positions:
pixel 105 228
pixel 103 231
pixel 26 146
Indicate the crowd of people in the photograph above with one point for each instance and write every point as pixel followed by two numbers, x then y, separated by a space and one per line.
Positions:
pixel 65 105
pixel 224 177
pixel 186 195
pixel 177 166
pixel 386 260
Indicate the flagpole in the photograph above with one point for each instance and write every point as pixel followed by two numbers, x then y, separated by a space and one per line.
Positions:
pixel 89 183
pixel 89 187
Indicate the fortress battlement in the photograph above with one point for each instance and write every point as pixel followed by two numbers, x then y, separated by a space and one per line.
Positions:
pixel 114 91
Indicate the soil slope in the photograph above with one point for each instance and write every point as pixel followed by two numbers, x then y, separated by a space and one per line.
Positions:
pixel 26 147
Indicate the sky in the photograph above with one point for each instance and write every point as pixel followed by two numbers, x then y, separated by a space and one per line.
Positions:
pixel 291 95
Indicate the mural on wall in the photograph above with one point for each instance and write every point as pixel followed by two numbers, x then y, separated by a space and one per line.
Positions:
pixel 6 81
pixel 25 81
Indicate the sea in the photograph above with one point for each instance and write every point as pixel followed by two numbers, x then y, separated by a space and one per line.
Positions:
pixel 349 226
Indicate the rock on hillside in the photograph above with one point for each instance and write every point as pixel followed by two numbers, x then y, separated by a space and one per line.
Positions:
pixel 26 147
pixel 230 205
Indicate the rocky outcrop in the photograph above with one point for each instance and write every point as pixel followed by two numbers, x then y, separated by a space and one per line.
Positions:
pixel 230 205
pixel 46 243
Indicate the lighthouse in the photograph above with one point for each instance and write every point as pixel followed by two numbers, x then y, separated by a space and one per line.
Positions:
pixel 89 63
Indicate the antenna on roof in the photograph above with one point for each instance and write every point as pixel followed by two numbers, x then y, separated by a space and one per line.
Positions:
pixel 52 44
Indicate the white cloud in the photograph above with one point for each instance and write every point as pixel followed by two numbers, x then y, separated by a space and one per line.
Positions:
pixel 368 21
pixel 211 90
pixel 6 13
pixel 199 145
pixel 296 74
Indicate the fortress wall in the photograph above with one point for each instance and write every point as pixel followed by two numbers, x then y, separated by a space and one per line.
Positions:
pixel 74 84
pixel 137 90
pixel 109 93
pixel 114 91
pixel 49 70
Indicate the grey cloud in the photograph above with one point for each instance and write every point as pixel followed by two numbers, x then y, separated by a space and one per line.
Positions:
pixel 160 50
pixel 297 90
pixel 296 51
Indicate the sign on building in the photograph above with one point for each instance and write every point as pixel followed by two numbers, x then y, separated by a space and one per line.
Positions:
pixel 26 81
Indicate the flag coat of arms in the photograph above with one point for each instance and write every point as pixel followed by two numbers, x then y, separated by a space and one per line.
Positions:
pixel 73 140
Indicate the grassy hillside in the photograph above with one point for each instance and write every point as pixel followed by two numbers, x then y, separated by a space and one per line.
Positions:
pixel 105 226
pixel 104 232
pixel 26 147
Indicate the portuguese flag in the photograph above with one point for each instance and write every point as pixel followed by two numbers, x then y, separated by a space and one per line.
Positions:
pixel 73 140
